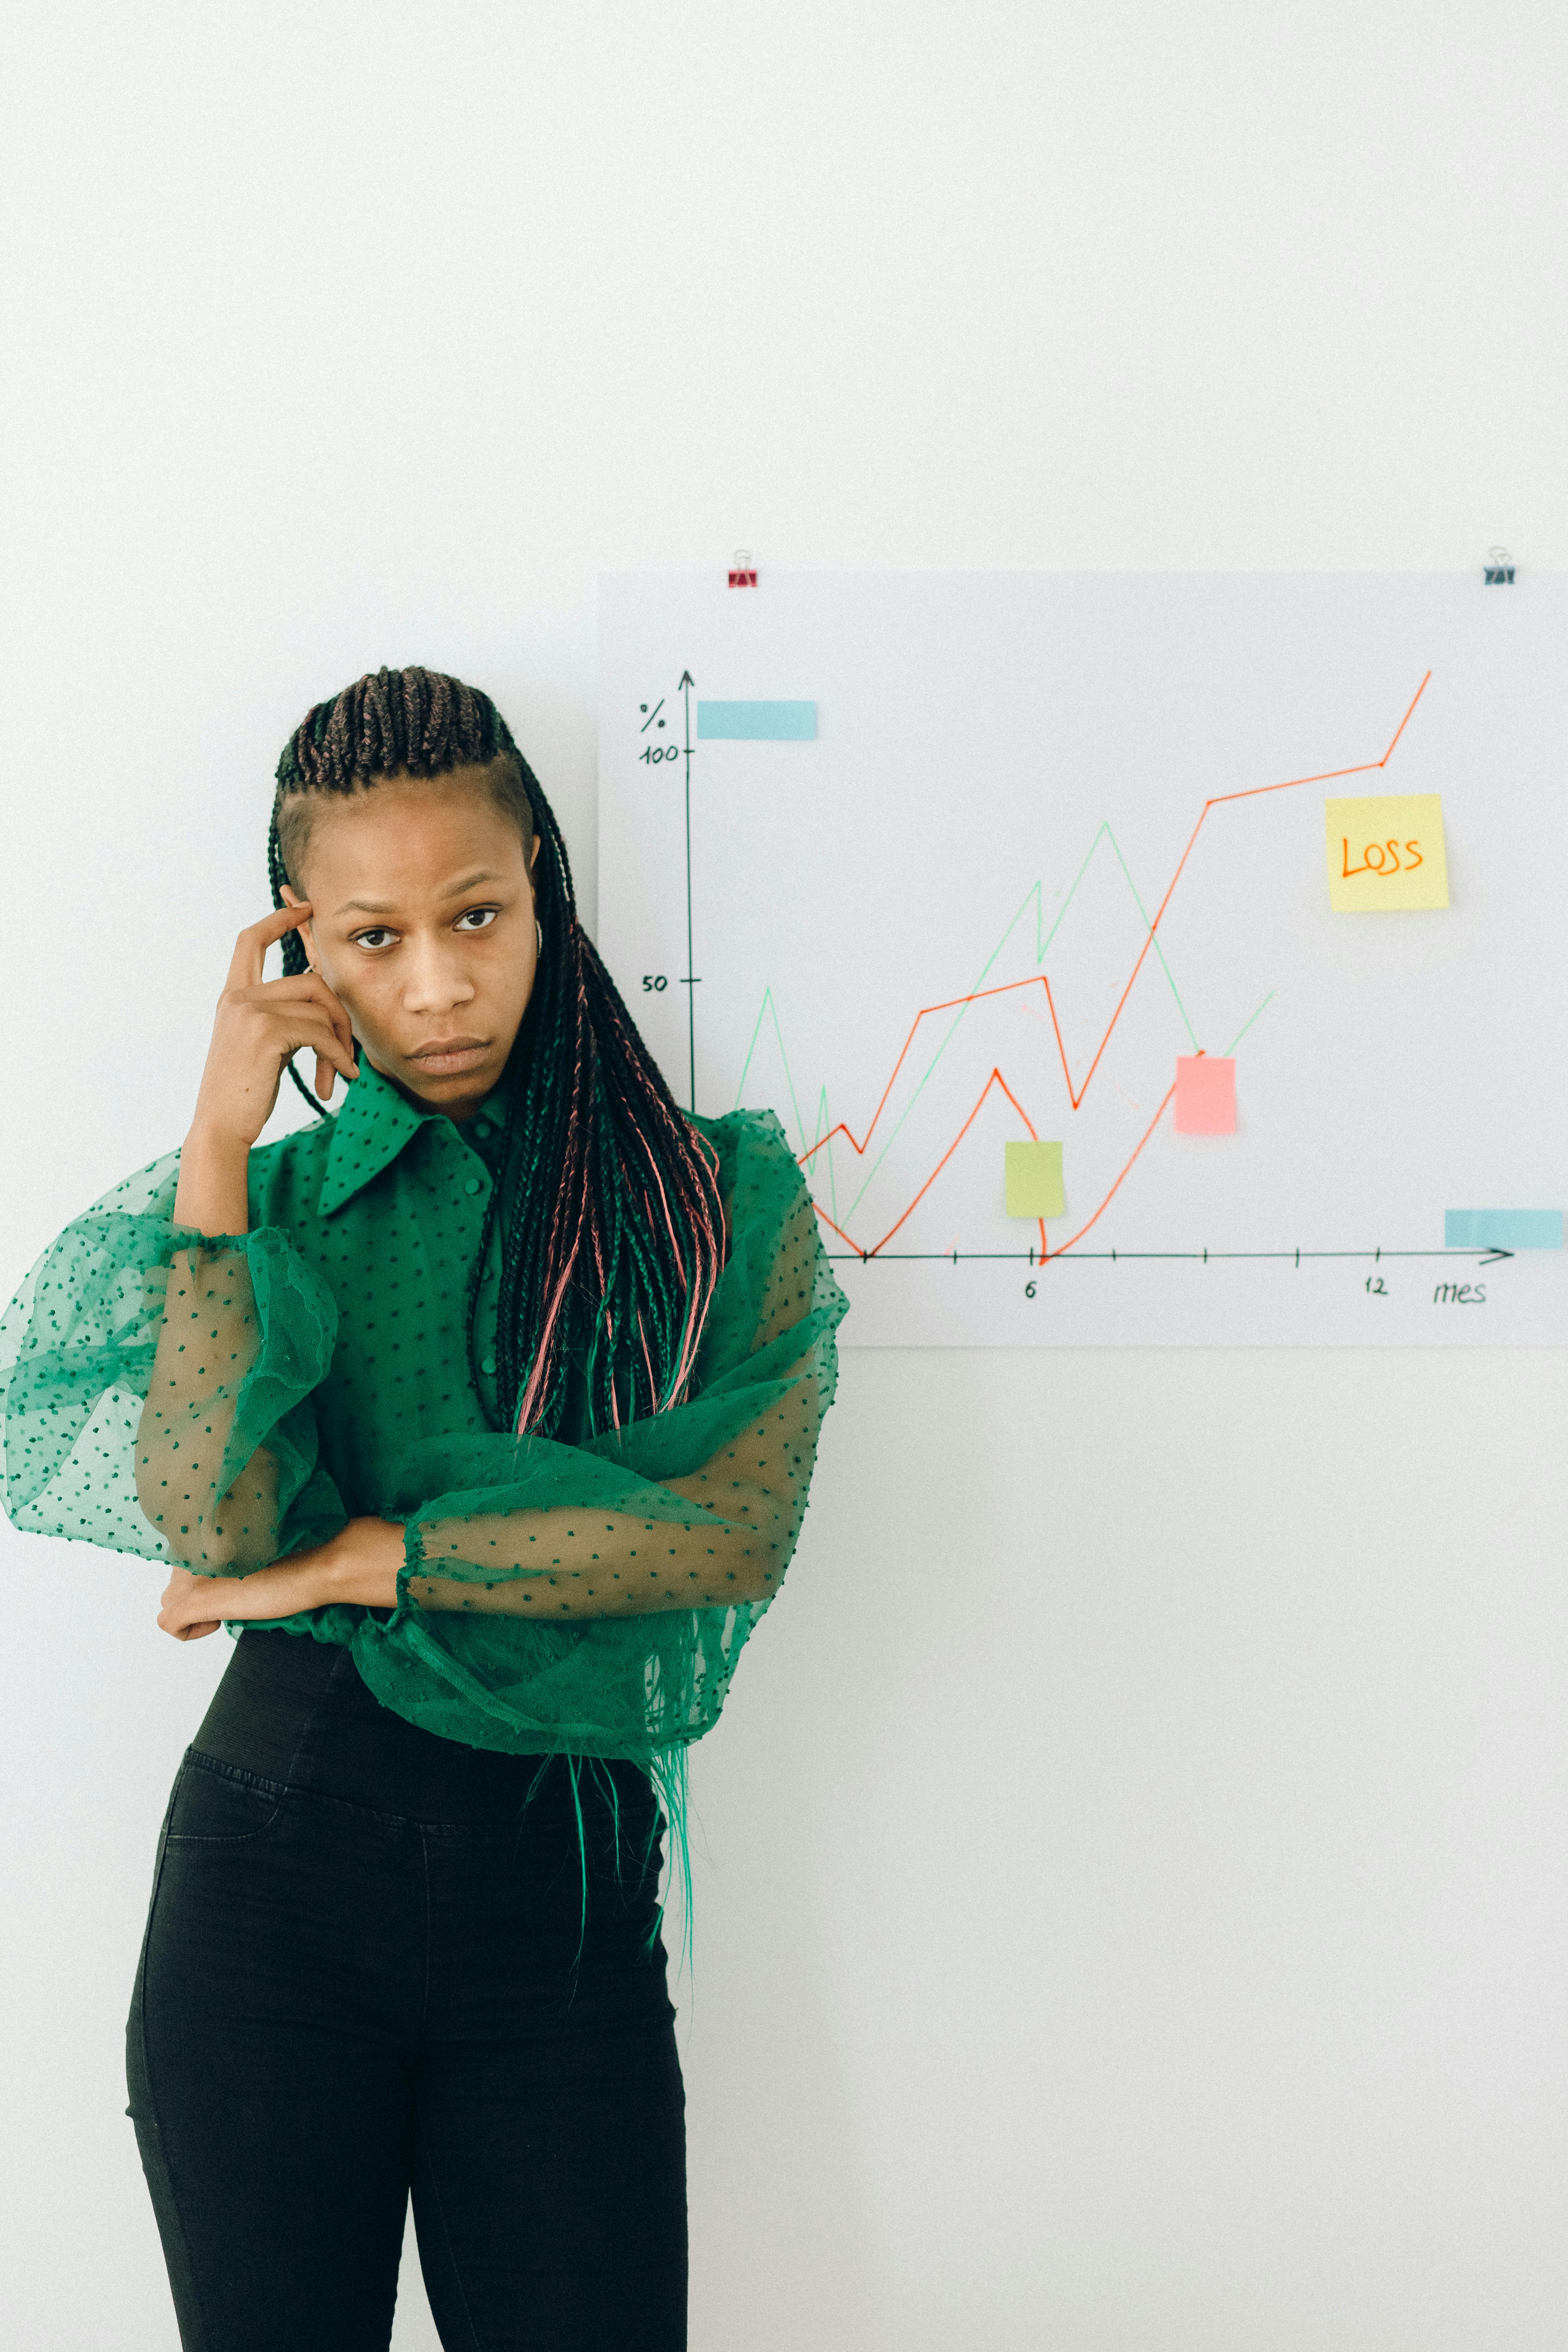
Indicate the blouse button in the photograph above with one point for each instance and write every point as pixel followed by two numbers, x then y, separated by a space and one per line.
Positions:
pixel 472 1184
pixel 487 1363
pixel 481 1128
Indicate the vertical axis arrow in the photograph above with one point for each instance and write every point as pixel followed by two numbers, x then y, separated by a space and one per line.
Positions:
pixel 687 682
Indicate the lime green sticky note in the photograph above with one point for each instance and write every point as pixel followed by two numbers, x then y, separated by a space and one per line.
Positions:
pixel 1387 851
pixel 1035 1180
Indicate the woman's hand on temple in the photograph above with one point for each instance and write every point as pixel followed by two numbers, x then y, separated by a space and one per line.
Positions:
pixel 360 1564
pixel 258 1025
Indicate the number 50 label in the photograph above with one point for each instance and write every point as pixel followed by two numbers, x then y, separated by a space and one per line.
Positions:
pixel 1386 853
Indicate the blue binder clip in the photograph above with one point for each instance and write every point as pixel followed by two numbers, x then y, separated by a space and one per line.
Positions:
pixel 1499 569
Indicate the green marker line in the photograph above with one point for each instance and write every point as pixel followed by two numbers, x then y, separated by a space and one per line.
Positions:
pixel 769 1006
pixel 1159 950
pixel 808 1141
pixel 1247 1024
pixel 824 1127
pixel 1042 943
pixel 1105 832
pixel 740 1090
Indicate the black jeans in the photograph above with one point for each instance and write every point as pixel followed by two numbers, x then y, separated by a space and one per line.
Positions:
pixel 371 1967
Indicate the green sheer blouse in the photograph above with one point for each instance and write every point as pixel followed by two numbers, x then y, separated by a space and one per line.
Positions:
pixel 224 1402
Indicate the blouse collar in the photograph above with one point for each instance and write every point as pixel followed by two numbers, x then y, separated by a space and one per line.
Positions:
pixel 368 1133
pixel 375 1124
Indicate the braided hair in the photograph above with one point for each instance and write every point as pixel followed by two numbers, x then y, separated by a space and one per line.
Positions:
pixel 611 1228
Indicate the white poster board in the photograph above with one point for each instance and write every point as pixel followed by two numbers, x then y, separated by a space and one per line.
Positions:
pixel 938 863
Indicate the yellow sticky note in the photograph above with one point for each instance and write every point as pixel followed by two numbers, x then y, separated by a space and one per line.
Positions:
pixel 1035 1180
pixel 1386 852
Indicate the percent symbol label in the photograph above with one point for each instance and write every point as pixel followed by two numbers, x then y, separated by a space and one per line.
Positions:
pixel 653 754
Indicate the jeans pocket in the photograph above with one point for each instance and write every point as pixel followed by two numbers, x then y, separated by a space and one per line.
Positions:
pixel 219 1804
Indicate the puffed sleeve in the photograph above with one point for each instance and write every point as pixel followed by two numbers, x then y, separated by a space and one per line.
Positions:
pixel 154 1387
pixel 657 1534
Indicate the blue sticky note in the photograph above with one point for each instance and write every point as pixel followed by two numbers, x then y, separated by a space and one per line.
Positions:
pixel 757 723
pixel 1508 1229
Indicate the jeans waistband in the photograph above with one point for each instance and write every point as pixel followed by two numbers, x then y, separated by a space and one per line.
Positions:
pixel 296 1710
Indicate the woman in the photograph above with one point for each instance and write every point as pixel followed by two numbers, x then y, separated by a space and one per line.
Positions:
pixel 484 1411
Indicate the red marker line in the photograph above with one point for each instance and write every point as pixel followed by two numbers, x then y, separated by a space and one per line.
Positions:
pixel 859 1146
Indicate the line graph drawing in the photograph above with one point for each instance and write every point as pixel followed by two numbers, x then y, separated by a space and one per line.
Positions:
pixel 818 887
pixel 860 1145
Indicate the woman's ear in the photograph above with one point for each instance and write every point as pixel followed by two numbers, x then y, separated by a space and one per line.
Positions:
pixel 290 897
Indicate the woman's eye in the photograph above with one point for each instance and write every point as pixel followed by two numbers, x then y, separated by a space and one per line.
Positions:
pixel 372 938
pixel 477 919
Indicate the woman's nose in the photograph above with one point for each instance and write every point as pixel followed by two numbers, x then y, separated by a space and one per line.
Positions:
pixel 437 980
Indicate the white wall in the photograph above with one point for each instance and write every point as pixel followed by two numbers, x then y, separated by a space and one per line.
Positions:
pixel 1136 1913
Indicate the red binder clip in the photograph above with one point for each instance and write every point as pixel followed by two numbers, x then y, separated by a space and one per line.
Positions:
pixel 742 570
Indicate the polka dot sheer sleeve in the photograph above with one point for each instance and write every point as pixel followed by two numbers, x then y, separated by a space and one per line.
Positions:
pixel 225 1401
pixel 154 1385
pixel 699 1507
pixel 726 1527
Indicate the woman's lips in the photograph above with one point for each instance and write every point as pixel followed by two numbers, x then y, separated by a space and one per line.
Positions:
pixel 450 1054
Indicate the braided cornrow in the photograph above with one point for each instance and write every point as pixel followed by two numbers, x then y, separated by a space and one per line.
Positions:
pixel 610 1220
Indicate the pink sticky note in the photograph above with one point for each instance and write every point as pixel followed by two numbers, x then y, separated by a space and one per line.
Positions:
pixel 1205 1093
